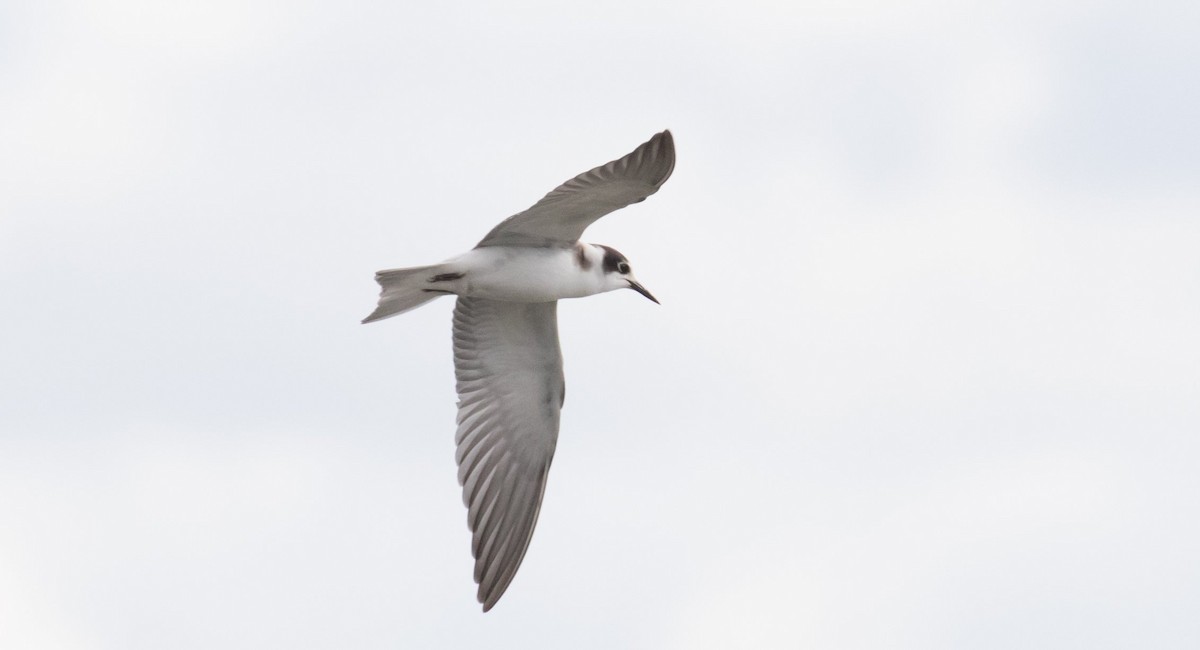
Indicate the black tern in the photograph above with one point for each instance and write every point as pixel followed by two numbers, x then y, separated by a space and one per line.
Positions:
pixel 507 359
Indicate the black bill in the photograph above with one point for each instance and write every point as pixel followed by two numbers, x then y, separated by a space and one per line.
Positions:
pixel 642 290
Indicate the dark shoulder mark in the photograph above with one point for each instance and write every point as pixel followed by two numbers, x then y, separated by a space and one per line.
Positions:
pixel 581 257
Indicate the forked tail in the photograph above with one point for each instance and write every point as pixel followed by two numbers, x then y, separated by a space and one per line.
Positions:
pixel 402 290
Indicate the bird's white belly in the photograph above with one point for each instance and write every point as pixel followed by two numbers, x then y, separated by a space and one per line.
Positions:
pixel 520 274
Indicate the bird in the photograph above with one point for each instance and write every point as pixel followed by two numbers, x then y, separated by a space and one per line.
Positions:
pixel 507 359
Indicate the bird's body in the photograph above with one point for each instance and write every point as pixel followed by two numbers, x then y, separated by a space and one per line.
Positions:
pixel 525 274
pixel 507 360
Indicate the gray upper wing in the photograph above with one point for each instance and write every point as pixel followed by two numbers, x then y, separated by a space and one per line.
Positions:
pixel 510 386
pixel 562 215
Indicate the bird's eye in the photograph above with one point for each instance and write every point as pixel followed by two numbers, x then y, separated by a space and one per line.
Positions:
pixel 622 268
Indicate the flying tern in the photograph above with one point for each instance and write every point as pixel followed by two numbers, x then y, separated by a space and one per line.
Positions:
pixel 507 360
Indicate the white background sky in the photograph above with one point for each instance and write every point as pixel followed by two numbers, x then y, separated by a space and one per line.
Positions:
pixel 926 374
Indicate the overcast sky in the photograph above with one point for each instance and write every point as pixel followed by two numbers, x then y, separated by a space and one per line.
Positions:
pixel 926 373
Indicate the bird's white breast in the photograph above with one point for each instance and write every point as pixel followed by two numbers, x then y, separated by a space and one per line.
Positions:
pixel 522 274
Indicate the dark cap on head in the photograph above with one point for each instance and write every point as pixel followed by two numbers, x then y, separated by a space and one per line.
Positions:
pixel 613 259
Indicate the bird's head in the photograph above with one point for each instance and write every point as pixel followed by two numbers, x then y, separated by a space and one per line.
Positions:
pixel 617 273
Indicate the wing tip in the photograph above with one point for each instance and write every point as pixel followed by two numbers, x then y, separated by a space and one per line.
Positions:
pixel 661 148
pixel 490 595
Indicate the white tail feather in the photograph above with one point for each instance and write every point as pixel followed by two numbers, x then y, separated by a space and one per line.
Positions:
pixel 402 290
